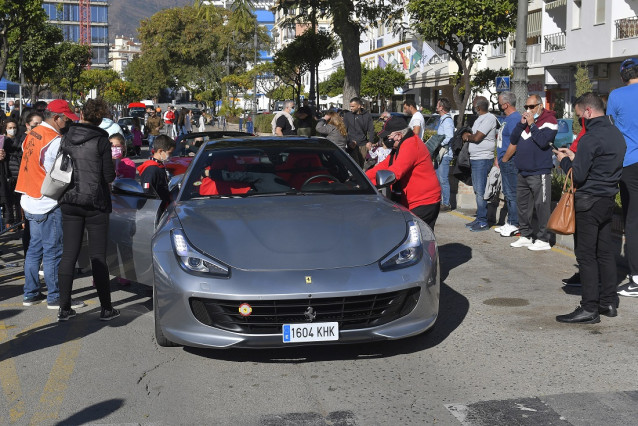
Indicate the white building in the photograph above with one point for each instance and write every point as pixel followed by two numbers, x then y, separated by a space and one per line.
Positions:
pixel 122 52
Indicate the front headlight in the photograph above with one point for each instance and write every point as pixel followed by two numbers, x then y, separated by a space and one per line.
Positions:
pixel 408 253
pixel 192 260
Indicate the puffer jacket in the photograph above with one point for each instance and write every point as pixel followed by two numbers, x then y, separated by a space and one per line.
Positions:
pixel 93 168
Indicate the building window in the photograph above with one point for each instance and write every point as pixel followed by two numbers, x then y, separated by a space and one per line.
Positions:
pixel 99 35
pixel 289 32
pixel 71 32
pixel 100 55
pixel 99 14
pixel 600 12
pixel 379 43
pixel 576 14
pixel 497 49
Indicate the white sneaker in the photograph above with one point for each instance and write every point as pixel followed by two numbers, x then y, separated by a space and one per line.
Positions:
pixel 499 228
pixel 522 242
pixel 508 230
pixel 540 245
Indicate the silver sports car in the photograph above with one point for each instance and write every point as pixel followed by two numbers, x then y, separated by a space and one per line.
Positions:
pixel 276 242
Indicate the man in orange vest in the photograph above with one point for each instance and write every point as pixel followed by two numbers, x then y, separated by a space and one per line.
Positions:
pixel 45 220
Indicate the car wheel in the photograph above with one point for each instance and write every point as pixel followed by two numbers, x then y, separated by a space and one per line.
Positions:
pixel 159 335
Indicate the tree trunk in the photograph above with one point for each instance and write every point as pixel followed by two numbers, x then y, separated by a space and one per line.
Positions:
pixel 349 34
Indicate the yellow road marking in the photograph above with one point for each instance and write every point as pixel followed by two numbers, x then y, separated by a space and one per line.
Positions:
pixel 9 379
pixel 554 248
pixel 58 382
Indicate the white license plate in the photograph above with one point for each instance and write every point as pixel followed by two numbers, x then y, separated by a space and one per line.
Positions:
pixel 317 332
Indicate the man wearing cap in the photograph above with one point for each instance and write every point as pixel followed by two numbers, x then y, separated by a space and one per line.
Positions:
pixel 411 164
pixel 623 107
pixel 45 220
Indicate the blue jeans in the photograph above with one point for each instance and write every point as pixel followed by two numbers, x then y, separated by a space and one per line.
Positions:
pixel 151 141
pixel 480 170
pixel 443 173
pixel 509 177
pixel 45 246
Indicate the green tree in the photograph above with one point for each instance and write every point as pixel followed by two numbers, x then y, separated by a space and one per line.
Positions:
pixel 148 76
pixel 15 19
pixel 119 92
pixel 72 59
pixel 349 19
pixel 333 85
pixel 484 80
pixel 97 79
pixel 583 85
pixel 379 83
pixel 463 28
pixel 39 51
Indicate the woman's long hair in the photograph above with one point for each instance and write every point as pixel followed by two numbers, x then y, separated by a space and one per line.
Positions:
pixel 182 116
pixel 337 121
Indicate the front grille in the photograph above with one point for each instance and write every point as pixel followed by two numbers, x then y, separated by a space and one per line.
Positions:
pixel 268 316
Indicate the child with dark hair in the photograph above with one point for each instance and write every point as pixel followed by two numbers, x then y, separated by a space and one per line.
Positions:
pixel 153 173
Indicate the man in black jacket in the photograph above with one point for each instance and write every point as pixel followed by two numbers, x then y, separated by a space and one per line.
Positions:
pixel 360 130
pixel 596 168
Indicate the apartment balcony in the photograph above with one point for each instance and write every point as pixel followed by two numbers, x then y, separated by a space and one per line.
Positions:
pixel 626 28
pixel 554 42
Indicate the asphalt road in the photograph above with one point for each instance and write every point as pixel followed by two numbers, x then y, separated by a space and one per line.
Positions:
pixel 496 357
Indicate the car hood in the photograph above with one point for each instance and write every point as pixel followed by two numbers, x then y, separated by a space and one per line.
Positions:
pixel 294 232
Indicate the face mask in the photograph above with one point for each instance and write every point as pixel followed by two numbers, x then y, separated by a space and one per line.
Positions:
pixel 389 143
pixel 536 116
pixel 116 152
pixel 292 110
pixel 11 132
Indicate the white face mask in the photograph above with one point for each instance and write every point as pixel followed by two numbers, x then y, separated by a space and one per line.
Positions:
pixel 11 132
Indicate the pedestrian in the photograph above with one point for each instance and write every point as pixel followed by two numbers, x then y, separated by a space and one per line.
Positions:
pixel 40 149
pixel 86 204
pixel 482 143
pixel 509 172
pixel 7 144
pixel 533 137
pixel 417 122
pixel 623 109
pixel 445 128
pixel 304 119
pixel 282 123
pixel 360 130
pixel 332 126
pixel 136 131
pixel 201 123
pixel 188 122
pixel 410 162
pixel 169 120
pixel 596 168
pixel 153 172
pixel 153 125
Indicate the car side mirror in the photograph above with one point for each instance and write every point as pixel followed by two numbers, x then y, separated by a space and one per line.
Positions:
pixel 385 178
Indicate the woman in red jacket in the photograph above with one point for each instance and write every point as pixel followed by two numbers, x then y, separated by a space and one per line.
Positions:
pixel 411 164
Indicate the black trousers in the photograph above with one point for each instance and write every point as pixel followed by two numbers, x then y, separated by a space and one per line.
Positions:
pixel 428 213
pixel 629 198
pixel 74 220
pixel 595 255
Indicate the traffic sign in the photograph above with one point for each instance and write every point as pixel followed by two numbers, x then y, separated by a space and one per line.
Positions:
pixel 502 84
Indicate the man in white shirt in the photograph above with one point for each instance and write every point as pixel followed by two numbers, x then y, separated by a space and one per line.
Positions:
pixel 417 122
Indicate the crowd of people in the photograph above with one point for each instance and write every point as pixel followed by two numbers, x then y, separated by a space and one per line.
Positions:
pixel 603 159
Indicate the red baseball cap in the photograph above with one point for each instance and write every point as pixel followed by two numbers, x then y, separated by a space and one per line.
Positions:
pixel 60 106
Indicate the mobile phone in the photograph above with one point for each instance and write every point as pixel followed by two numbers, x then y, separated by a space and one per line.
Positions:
pixel 551 144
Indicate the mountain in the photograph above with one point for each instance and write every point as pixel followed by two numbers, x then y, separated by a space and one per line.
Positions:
pixel 125 15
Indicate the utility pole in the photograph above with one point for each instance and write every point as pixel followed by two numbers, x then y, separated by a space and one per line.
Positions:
pixel 313 22
pixel 519 82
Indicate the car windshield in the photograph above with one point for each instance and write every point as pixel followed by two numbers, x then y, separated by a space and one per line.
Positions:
pixel 273 167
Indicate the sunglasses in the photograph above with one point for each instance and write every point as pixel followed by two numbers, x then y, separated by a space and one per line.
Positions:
pixel 530 106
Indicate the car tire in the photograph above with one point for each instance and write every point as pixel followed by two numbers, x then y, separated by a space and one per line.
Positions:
pixel 159 335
